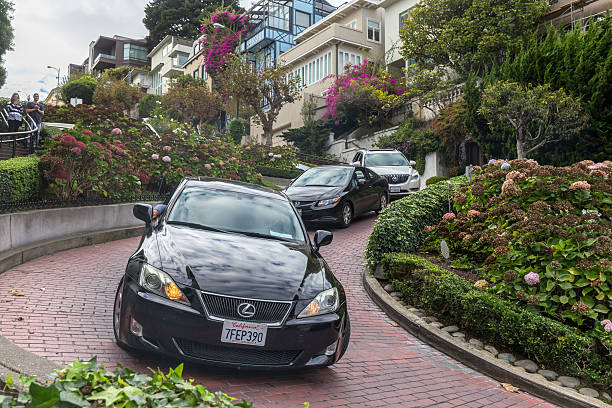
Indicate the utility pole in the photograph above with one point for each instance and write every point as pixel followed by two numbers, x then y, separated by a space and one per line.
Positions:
pixel 58 84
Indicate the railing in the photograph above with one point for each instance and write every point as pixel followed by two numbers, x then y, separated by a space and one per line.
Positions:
pixel 31 128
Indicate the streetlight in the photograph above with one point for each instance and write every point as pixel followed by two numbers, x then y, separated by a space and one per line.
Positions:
pixel 58 83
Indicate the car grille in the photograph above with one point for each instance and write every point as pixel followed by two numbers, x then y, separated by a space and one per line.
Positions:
pixel 236 355
pixel 303 204
pixel 226 307
pixel 397 178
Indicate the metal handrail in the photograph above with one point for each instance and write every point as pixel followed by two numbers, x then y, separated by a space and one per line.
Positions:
pixel 31 127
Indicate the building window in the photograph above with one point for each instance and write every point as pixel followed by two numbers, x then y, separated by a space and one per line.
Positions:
pixel 302 19
pixel 134 52
pixel 373 30
pixel 196 74
pixel 204 73
pixel 352 24
pixel 403 16
pixel 347 58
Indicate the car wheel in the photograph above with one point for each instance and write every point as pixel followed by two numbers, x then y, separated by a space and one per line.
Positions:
pixel 346 336
pixel 382 203
pixel 346 215
pixel 117 316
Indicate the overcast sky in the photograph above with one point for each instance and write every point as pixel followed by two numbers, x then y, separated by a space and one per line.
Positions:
pixel 58 33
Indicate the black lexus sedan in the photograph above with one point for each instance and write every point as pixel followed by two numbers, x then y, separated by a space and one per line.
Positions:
pixel 227 275
pixel 337 194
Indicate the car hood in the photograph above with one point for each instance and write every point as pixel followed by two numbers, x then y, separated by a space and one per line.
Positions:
pixel 238 265
pixel 311 193
pixel 385 170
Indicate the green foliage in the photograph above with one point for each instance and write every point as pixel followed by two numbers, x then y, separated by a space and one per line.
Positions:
pixel 185 81
pixel 82 87
pixel 553 345
pixel 412 139
pixel 467 35
pixel 116 93
pixel 6 34
pixel 543 236
pixel 84 384
pixel 435 180
pixel 400 226
pixel 312 138
pixel 147 105
pixel 581 64
pixel 276 172
pixel 236 130
pixel 182 19
pixel 534 115
pixel 117 74
pixel 20 179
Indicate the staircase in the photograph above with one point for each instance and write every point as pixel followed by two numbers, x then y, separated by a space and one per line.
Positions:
pixel 6 149
pixel 6 139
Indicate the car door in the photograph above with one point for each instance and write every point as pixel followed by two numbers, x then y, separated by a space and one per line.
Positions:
pixel 379 186
pixel 361 193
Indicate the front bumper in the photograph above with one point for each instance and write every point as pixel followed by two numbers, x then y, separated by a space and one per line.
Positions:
pixel 401 189
pixel 310 213
pixel 187 333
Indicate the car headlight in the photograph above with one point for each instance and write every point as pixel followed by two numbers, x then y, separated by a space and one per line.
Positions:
pixel 331 201
pixel 325 302
pixel 159 282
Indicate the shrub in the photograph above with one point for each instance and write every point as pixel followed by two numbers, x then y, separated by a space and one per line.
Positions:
pixel 542 234
pixel 275 172
pixel 550 343
pixel 84 384
pixel 82 88
pixel 236 130
pixel 435 180
pixel 399 228
pixel 20 179
pixel 147 104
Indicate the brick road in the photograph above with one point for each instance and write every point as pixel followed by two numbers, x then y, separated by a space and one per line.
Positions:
pixel 66 313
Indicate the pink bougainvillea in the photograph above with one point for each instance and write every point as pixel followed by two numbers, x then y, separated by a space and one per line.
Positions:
pixel 220 37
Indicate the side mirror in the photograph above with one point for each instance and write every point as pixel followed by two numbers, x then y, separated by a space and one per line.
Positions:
pixel 355 163
pixel 143 212
pixel 412 163
pixel 322 238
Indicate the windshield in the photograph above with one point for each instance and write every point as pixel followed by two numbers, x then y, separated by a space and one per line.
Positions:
pixel 238 213
pixel 385 159
pixel 323 176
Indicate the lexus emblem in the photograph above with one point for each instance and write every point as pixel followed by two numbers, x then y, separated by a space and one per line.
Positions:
pixel 246 310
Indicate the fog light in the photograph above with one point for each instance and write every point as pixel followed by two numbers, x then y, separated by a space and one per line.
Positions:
pixel 135 328
pixel 331 349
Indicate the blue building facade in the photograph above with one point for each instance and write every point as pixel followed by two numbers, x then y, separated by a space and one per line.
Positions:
pixel 275 23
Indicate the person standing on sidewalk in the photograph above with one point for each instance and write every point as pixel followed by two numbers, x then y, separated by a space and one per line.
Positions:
pixel 15 113
pixel 36 111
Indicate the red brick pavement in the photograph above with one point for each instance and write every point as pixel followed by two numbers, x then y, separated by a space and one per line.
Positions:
pixel 66 313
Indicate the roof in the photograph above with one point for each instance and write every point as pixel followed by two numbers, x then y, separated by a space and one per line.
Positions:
pixel 234 186
pixel 168 39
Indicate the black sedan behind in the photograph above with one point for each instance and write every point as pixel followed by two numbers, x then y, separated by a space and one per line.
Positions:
pixel 337 194
pixel 227 275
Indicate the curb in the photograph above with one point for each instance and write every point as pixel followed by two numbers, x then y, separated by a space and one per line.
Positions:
pixel 480 361
pixel 18 256
pixel 15 361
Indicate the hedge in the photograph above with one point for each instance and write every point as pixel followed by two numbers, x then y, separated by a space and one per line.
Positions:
pixel 435 180
pixel 20 179
pixel 399 228
pixel 276 172
pixel 84 384
pixel 550 343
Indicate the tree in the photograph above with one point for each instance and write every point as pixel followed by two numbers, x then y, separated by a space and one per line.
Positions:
pixel 535 115
pixel 181 18
pixel 265 89
pixel 147 104
pixel 116 94
pixel 82 88
pixel 467 35
pixel 191 102
pixel 236 130
pixel 6 34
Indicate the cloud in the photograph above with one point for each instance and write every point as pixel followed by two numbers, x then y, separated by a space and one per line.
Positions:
pixel 43 91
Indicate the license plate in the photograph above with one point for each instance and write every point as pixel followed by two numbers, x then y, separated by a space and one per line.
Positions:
pixel 394 189
pixel 252 334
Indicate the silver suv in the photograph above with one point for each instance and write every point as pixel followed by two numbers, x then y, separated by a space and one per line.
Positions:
pixel 392 164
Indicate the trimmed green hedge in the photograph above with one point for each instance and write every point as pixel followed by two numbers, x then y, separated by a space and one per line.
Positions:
pixel 399 228
pixel 435 180
pixel 551 344
pixel 20 179
pixel 280 173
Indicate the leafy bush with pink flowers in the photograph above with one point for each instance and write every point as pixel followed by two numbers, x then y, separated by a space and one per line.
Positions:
pixel 220 39
pixel 540 235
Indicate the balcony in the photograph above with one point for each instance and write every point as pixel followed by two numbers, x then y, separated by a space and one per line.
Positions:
pixel 104 61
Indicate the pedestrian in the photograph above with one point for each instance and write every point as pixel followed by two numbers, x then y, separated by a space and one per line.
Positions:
pixel 36 111
pixel 15 113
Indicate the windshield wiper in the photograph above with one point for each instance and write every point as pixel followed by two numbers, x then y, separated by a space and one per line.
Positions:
pixel 260 235
pixel 316 185
pixel 196 226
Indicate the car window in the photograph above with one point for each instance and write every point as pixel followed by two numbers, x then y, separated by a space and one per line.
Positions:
pixel 385 159
pixel 323 176
pixel 372 175
pixel 237 212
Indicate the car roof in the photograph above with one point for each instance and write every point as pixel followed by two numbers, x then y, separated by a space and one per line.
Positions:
pixel 234 186
pixel 381 150
pixel 333 166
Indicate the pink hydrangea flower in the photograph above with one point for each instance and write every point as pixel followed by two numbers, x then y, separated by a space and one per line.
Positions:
pixel 167 159
pixel 195 159
pixel 449 216
pixel 580 185
pixel 491 162
pixel 473 213
pixel 532 278
pixel 87 132
pixel 167 148
pixel 207 166
pixel 155 156
pixel 75 150
pixel 116 131
pixel 608 327
pixel 148 144
pixel 605 322
pixel 597 166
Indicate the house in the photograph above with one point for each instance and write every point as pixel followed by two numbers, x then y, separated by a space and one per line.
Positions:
pixel 116 51
pixel 396 12
pixel 194 65
pixel 569 14
pixel 352 33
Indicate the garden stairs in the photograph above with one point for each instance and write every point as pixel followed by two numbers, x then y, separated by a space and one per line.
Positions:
pixel 6 150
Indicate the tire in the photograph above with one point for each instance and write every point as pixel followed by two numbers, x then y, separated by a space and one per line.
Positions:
pixel 346 215
pixel 346 336
pixel 383 201
pixel 117 305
